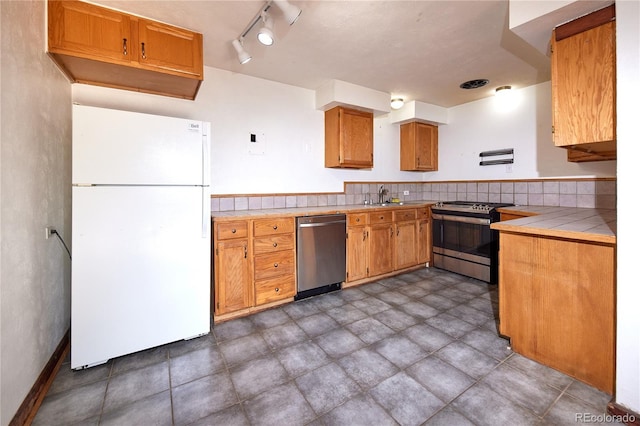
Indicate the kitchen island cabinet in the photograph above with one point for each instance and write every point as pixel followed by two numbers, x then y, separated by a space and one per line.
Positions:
pixel 557 292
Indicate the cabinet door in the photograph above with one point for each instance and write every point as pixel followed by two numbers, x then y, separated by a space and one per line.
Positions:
pixel 381 249
pixel 89 31
pixel 357 245
pixel 357 138
pixel 424 241
pixel 169 48
pixel 234 287
pixel 418 147
pixel 426 147
pixel 405 249
pixel 583 87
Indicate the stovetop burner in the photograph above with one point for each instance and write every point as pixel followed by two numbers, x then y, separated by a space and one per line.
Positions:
pixel 466 206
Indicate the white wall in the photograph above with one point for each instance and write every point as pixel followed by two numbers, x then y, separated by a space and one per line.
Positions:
pixel 293 159
pixel 36 192
pixel 628 297
pixel 525 126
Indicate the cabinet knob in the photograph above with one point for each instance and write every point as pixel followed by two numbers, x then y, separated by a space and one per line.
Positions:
pixel 357 219
pixel 275 227
pixel 277 290
pixel 275 265
pixel 275 244
pixel 381 217
pixel 233 231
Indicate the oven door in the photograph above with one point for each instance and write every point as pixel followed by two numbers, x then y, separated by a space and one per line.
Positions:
pixel 463 244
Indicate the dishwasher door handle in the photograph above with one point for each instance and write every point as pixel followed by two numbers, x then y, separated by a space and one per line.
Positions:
pixel 313 225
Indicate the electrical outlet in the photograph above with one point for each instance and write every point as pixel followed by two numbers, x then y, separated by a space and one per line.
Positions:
pixel 406 192
pixel 48 231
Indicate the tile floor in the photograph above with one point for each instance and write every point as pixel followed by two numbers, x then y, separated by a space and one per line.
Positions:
pixel 417 349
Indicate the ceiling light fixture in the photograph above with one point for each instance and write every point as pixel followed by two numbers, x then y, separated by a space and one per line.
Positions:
pixel 397 103
pixel 243 56
pixel 291 12
pixel 265 35
pixel 503 90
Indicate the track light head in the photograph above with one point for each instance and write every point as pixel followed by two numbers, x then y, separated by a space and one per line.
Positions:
pixel 291 12
pixel 265 34
pixel 243 56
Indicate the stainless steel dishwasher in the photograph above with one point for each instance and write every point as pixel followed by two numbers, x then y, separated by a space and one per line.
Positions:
pixel 321 243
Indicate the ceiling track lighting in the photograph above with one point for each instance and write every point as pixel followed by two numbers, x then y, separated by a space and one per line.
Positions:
pixel 265 34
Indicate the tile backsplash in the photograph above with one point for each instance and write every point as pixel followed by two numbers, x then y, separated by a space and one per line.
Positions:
pixel 590 193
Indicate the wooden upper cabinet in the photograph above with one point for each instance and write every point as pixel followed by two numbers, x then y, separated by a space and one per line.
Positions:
pixel 348 138
pixel 169 48
pixel 583 81
pixel 418 147
pixel 89 31
pixel 100 46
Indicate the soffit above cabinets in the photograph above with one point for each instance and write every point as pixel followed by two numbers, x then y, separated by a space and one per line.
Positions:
pixel 420 111
pixel 341 93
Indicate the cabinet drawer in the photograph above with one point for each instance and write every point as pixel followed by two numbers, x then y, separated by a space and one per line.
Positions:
pixel 274 264
pixel 228 230
pixel 402 215
pixel 380 217
pixel 277 225
pixel 273 243
pixel 423 213
pixel 356 219
pixel 273 289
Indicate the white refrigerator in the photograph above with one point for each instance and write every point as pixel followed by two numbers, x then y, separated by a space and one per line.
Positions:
pixel 141 241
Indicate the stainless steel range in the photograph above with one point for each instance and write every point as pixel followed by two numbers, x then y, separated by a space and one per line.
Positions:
pixel 463 241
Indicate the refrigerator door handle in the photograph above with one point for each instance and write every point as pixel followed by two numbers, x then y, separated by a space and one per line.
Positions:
pixel 206 211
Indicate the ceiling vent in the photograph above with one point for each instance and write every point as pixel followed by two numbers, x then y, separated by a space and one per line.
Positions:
pixel 474 84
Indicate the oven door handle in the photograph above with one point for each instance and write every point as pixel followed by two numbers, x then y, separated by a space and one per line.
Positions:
pixel 463 219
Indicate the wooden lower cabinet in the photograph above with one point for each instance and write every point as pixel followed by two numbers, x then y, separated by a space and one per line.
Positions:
pixel 382 242
pixel 357 253
pixel 557 304
pixel 254 264
pixel 423 241
pixel 381 249
pixel 233 289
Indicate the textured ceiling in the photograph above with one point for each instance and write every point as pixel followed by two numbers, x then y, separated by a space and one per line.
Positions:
pixel 420 50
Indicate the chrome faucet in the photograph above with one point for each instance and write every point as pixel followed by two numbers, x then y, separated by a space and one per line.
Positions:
pixel 381 193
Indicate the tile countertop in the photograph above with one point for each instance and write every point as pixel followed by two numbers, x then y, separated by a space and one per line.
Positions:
pixel 306 211
pixel 592 225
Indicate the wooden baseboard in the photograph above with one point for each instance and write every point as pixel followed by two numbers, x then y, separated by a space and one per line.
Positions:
pixel 27 411
pixel 623 414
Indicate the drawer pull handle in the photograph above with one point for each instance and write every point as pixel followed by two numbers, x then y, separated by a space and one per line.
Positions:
pixel 233 231
pixel 144 53
pixel 275 227
pixel 381 217
pixel 275 265
pixel 124 46
pixel 275 244
pixel 277 290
